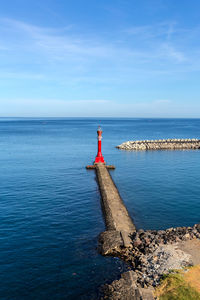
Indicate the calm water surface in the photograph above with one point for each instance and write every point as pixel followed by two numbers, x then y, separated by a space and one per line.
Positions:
pixel 50 205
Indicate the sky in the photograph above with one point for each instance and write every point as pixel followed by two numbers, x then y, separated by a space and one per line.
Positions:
pixel 108 58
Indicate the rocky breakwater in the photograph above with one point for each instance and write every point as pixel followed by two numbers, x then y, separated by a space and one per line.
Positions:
pixel 171 144
pixel 153 254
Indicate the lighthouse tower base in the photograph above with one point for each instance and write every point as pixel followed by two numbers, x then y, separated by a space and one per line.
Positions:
pixel 99 159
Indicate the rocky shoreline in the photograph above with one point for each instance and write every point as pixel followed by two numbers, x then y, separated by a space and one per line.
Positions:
pixel 152 254
pixel 164 144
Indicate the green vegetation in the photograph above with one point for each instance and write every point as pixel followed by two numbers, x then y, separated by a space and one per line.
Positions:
pixel 174 287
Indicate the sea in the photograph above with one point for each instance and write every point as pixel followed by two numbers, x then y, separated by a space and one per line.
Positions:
pixel 50 205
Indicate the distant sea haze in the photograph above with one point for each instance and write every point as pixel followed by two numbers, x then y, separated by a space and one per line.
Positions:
pixel 50 204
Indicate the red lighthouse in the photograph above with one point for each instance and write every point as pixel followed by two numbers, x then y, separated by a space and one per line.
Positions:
pixel 99 158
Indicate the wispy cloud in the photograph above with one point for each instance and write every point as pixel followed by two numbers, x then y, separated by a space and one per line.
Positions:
pixel 93 65
pixel 162 101
pixel 145 44
pixel 168 50
pixel 57 42
pixel 162 37
pixel 51 107
pixel 106 108
pixel 21 75
pixel 151 31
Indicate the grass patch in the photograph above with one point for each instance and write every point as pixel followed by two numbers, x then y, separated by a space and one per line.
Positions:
pixel 174 287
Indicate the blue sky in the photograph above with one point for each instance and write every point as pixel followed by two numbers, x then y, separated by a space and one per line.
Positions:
pixel 118 58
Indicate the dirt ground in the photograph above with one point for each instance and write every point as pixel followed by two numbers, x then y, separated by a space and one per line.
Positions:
pixel 191 247
pixel 193 277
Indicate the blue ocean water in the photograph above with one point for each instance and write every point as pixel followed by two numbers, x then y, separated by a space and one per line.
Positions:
pixel 50 204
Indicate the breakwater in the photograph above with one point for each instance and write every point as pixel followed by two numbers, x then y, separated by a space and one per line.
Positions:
pixel 165 144
pixel 116 214
pixel 119 225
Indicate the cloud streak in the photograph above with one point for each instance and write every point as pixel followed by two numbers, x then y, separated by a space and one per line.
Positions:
pixel 106 108
pixel 50 107
pixel 61 45
pixel 40 61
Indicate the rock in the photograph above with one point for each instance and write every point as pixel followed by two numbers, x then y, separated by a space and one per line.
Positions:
pixel 197 226
pixel 123 289
pixel 186 237
pixel 137 242
pixel 110 242
pixel 161 144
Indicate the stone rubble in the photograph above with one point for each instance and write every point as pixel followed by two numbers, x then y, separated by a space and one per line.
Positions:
pixel 153 253
pixel 126 289
pixel 161 144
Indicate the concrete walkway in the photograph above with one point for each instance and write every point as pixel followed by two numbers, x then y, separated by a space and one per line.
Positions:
pixel 119 225
pixel 116 214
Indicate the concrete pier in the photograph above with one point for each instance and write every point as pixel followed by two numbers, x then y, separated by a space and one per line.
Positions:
pixel 119 225
pixel 116 214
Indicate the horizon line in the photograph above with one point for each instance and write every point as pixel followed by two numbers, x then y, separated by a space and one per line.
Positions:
pixel 95 117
